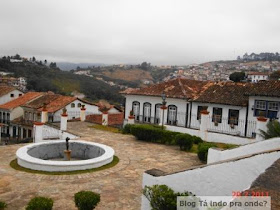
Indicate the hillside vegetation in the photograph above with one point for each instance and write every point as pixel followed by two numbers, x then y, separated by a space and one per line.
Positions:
pixel 44 78
pixel 129 75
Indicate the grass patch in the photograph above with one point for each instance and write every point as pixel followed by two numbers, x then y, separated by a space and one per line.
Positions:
pixel 105 128
pixel 15 166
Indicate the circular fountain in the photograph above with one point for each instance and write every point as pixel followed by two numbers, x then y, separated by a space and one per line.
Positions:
pixel 49 156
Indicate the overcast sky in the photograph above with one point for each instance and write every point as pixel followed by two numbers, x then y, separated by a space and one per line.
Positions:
pixel 132 31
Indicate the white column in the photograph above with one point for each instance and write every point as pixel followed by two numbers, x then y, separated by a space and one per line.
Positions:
pixel 163 115
pixel 261 125
pixel 11 130
pixel 204 125
pixel 83 114
pixel 44 116
pixel 105 118
pixel 38 131
pixel 63 122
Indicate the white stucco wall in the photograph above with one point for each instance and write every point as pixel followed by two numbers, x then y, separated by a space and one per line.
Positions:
pixel 213 137
pixel 6 98
pixel 190 131
pixel 252 102
pixel 224 125
pixel 113 111
pixel 215 180
pixel 180 103
pixel 215 155
pixel 89 108
pixel 15 113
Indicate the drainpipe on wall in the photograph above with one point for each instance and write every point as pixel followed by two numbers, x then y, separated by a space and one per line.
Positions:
pixel 190 114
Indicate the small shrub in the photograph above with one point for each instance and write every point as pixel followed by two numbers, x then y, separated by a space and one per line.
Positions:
pixel 273 130
pixel 162 197
pixel 203 150
pixel 3 205
pixel 147 133
pixel 153 133
pixel 86 200
pixel 185 141
pixel 127 129
pixel 40 203
pixel 197 140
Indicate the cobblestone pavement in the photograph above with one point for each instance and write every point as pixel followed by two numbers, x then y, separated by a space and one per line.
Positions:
pixel 120 186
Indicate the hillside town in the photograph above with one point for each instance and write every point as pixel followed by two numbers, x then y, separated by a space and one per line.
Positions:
pixel 221 70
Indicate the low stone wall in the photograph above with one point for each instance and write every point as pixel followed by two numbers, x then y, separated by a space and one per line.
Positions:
pixel 94 118
pixel 219 179
pixel 215 155
pixel 113 119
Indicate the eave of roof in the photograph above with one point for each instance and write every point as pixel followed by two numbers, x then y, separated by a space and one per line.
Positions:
pixel 21 100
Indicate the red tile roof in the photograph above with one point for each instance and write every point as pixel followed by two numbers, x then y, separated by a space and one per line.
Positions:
pixel 5 90
pixel 176 88
pixel 21 100
pixel 58 103
pixel 228 93
pixel 265 88
pixel 53 102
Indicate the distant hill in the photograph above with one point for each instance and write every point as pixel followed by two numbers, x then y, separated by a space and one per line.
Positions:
pixel 44 78
pixel 67 66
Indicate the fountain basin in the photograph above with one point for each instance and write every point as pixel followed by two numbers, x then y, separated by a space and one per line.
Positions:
pixel 44 156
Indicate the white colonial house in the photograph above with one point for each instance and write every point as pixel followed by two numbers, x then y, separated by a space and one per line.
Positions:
pixel 232 108
pixel 257 76
pixel 146 102
pixel 8 93
pixel 12 110
pixel 54 104
pixel 264 100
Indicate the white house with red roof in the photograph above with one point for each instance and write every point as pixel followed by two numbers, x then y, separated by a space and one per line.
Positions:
pixel 8 93
pixel 232 108
pixel 13 110
pixel 257 76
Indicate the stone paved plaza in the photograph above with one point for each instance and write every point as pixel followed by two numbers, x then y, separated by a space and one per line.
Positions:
pixel 120 186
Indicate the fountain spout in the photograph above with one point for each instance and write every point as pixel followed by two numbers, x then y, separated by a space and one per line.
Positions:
pixel 67 152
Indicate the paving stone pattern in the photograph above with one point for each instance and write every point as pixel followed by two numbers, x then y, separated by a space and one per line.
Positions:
pixel 120 187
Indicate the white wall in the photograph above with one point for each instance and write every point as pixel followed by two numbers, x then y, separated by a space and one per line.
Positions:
pixel 224 125
pixel 180 103
pixel 252 102
pixel 113 111
pixel 190 131
pixel 215 180
pixel 17 112
pixel 6 98
pixel 89 108
pixel 215 155
pixel 213 137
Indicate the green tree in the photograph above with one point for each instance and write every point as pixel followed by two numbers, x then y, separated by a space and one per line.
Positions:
pixel 237 76
pixel 275 75
pixel 53 65
pixel 145 66
pixel 273 130
pixel 17 56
